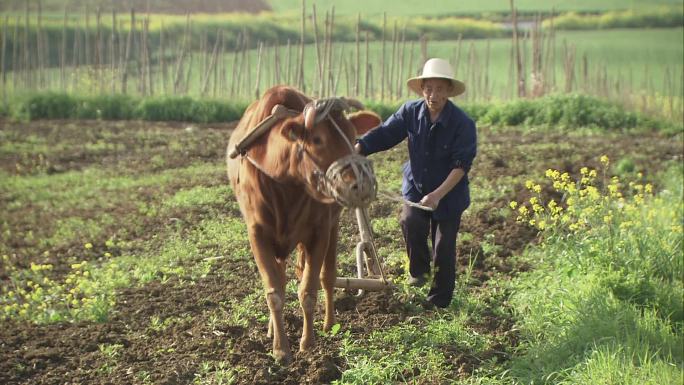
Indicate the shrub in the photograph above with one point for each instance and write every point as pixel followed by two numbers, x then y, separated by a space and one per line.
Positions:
pixel 107 107
pixel 49 105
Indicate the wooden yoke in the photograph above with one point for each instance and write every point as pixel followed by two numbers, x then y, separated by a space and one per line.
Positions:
pixel 277 113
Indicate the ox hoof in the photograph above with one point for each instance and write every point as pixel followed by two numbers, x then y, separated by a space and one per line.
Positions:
pixel 306 345
pixel 282 357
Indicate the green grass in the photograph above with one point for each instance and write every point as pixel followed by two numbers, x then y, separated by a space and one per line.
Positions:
pixel 447 7
pixel 604 303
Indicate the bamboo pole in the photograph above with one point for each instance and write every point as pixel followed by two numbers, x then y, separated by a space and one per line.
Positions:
pixel 233 81
pixel 208 72
pixel 319 60
pixel 221 69
pixel 300 72
pixel 390 83
pixel 410 67
pixel 486 93
pixel 76 55
pixel 549 67
pixel 288 62
pixel 324 79
pixel 330 63
pixel 423 49
pixel 112 52
pixel 142 62
pixel 257 94
pixel 177 78
pixel 162 58
pixel 336 79
pixel 87 36
pixel 186 85
pixel 3 68
pixel 457 57
pixel 15 53
pixel 367 67
pixel 26 50
pixel 40 59
pixel 99 52
pixel 47 75
pixel 248 67
pixel 402 58
pixel 382 58
pixel 569 66
pixel 521 75
pixel 241 79
pixel 357 72
pixel 148 57
pixel 127 57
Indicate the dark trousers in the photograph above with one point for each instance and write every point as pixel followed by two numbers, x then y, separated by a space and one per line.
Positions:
pixel 417 225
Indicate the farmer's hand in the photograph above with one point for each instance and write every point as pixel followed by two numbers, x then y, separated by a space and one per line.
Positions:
pixel 431 200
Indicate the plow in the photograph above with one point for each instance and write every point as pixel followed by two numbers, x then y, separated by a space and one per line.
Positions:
pixel 369 271
pixel 370 275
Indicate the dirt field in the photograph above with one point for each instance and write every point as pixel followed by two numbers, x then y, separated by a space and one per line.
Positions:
pixel 71 352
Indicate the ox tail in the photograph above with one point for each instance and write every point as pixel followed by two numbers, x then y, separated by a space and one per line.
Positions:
pixel 299 265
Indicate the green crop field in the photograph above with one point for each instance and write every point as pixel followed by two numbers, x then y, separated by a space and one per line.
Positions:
pixel 451 7
pixel 653 71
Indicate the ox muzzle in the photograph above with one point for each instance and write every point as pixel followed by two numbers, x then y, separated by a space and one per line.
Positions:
pixel 349 180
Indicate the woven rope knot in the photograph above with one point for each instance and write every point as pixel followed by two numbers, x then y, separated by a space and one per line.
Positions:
pixel 351 181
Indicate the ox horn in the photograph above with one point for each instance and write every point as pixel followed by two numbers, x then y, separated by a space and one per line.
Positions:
pixel 309 116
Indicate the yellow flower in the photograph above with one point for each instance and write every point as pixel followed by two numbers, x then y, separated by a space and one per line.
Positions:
pixel 513 204
pixel 541 225
pixel 88 245
pixel 529 184
pixel 604 159
pixel 584 171
pixel 607 219
pixel 537 188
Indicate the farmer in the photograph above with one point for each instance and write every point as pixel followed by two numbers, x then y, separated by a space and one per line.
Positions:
pixel 442 144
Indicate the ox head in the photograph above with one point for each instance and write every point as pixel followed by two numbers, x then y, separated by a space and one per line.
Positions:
pixel 325 158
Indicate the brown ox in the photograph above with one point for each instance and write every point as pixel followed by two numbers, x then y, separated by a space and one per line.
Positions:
pixel 277 183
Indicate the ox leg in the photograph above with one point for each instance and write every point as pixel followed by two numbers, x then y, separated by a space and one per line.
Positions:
pixel 282 264
pixel 327 277
pixel 308 292
pixel 273 276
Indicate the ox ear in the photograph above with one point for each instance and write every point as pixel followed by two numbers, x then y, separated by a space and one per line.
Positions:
pixel 364 121
pixel 292 130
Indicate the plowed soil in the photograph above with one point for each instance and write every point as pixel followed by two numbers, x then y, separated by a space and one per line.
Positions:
pixel 69 353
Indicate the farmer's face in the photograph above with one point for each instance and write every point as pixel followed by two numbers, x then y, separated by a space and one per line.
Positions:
pixel 435 92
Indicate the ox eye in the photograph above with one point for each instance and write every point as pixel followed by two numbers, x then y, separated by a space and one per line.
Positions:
pixel 317 141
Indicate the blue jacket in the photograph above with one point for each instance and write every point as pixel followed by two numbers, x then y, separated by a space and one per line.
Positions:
pixel 434 150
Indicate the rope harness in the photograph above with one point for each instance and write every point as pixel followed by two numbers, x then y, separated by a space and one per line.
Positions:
pixel 349 180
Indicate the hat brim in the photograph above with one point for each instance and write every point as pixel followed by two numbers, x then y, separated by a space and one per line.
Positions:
pixel 458 87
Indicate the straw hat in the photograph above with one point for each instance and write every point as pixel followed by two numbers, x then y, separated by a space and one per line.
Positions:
pixel 436 68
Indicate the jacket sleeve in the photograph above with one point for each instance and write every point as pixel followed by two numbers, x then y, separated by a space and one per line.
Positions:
pixel 387 135
pixel 465 146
